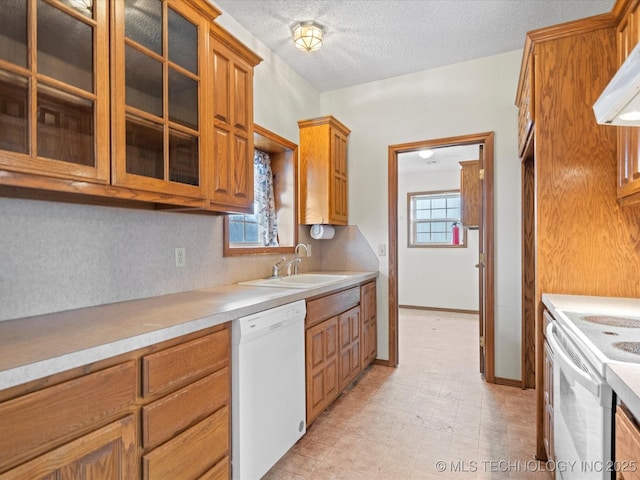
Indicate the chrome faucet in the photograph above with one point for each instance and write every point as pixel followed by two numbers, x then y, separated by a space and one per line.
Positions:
pixel 276 267
pixel 306 250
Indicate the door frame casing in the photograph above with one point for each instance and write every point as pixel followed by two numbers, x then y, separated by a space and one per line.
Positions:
pixel 486 139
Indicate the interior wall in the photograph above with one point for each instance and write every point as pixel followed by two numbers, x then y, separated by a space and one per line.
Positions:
pixel 58 256
pixel 434 277
pixel 465 98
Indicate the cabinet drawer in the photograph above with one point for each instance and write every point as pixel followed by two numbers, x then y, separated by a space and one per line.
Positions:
pixel 176 366
pixel 164 418
pixel 45 419
pixel 192 453
pixel 326 307
pixel 220 471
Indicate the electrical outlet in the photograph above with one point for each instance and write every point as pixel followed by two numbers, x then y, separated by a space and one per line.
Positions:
pixel 308 249
pixel 382 250
pixel 181 257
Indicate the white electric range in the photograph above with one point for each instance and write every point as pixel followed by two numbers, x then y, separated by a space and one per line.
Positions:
pixel 586 334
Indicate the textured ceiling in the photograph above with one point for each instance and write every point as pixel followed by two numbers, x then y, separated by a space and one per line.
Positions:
pixel 368 40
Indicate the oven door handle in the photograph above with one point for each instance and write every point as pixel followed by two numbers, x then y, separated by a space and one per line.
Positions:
pixel 571 370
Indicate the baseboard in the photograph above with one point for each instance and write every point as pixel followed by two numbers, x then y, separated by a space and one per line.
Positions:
pixel 508 382
pixel 438 309
pixel 384 363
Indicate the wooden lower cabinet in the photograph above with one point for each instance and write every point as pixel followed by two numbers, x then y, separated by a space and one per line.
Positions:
pixel 627 445
pixel 349 338
pixel 340 342
pixel 191 453
pixel 322 367
pixel 107 453
pixel 369 321
pixel 102 426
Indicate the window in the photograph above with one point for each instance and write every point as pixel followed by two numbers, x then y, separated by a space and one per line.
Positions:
pixel 244 229
pixel 432 217
pixel 245 234
pixel 260 228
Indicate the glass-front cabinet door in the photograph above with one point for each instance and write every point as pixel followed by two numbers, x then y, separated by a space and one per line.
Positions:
pixel 54 81
pixel 158 72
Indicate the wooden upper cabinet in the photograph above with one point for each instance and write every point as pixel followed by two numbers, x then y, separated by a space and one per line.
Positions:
pixel 323 179
pixel 145 100
pixel 470 193
pixel 160 71
pixel 526 107
pixel 230 176
pixel 628 34
pixel 54 90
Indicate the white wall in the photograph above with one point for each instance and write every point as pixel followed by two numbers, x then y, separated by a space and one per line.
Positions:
pixel 434 277
pixel 59 256
pixel 465 98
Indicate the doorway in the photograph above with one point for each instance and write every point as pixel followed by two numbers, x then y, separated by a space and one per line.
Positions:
pixel 484 141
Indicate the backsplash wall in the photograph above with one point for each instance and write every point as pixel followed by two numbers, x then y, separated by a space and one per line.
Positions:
pixel 61 256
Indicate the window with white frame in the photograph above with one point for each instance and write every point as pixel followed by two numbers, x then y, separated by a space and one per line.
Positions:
pixel 434 219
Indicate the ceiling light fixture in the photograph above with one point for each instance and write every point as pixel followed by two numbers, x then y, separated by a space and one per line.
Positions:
pixel 425 153
pixel 307 36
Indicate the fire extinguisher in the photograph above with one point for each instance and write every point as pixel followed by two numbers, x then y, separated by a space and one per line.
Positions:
pixel 455 230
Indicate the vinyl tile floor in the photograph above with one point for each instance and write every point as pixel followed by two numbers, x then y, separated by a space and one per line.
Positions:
pixel 431 417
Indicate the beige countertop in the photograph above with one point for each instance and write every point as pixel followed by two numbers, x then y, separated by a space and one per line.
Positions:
pixel 35 347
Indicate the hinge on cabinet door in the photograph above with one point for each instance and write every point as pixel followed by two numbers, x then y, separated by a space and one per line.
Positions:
pixel 482 174
pixel 482 342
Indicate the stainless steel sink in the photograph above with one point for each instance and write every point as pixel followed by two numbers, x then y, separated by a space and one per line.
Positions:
pixel 302 280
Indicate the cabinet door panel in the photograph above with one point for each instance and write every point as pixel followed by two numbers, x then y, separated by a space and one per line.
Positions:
pixel 231 168
pixel 470 193
pixel 338 193
pixel 242 174
pixel 159 86
pixel 105 454
pixel 221 92
pixel 322 369
pixel 60 126
pixel 349 342
pixel 368 337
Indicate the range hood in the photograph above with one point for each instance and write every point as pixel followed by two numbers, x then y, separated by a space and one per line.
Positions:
pixel 619 103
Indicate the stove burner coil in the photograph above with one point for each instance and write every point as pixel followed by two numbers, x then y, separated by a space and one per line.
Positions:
pixel 613 321
pixel 631 347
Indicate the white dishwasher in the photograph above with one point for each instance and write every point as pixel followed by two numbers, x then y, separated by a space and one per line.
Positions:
pixel 268 388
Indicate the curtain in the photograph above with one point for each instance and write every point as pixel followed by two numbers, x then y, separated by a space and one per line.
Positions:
pixel 265 200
